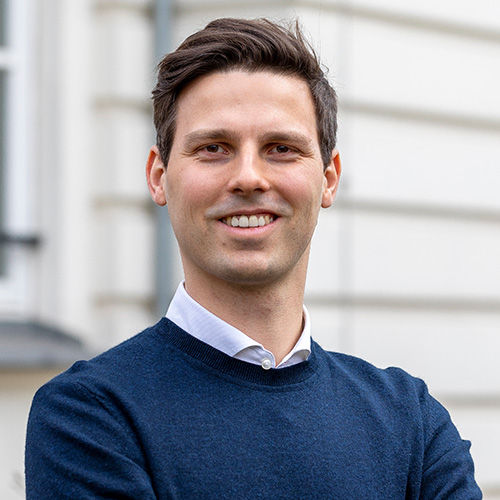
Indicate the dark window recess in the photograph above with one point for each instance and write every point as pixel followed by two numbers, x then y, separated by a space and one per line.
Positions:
pixel 29 344
pixel 3 22
pixel 3 94
pixel 25 240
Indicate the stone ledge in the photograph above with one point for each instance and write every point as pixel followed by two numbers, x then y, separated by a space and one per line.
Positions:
pixel 30 344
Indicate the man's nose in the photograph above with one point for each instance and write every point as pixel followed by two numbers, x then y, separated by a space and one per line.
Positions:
pixel 249 173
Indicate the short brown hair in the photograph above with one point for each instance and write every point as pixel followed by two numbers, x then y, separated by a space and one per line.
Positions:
pixel 254 45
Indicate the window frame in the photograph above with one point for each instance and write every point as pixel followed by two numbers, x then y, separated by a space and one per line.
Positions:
pixel 18 184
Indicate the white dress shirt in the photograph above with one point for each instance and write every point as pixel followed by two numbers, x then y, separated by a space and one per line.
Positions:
pixel 192 317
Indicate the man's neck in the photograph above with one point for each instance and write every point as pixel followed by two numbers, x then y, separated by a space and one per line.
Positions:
pixel 270 314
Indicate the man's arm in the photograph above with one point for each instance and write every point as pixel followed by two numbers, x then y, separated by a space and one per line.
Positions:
pixel 448 466
pixel 77 446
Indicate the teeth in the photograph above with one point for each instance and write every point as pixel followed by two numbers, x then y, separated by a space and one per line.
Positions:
pixel 248 220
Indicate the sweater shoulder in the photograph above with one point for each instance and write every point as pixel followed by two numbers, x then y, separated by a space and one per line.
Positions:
pixel 132 360
pixel 390 382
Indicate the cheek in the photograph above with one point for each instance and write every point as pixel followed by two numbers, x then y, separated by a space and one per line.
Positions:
pixel 303 192
pixel 189 195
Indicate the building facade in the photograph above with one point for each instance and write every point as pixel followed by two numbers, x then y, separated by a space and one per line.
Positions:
pixel 404 267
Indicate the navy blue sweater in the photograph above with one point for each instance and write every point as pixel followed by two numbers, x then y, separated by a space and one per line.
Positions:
pixel 164 415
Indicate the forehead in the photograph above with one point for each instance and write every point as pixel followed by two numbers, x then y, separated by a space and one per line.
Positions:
pixel 246 102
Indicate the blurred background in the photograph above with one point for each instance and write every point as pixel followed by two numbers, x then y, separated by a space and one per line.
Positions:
pixel 405 266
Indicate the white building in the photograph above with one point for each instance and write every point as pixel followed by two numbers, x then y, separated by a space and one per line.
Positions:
pixel 405 267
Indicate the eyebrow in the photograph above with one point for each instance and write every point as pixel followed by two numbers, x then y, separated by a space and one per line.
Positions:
pixel 296 138
pixel 193 139
pixel 288 137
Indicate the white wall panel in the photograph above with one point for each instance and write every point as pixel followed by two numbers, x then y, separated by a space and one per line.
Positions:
pixel 70 224
pixel 324 274
pixel 455 352
pixel 425 70
pixel 327 326
pixel 120 320
pixel 123 137
pixel 395 254
pixel 489 494
pixel 123 45
pixel 420 163
pixel 479 13
pixel 327 33
pixel 125 239
pixel 123 260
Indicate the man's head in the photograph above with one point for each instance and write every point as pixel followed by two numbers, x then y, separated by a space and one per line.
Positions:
pixel 248 45
pixel 239 160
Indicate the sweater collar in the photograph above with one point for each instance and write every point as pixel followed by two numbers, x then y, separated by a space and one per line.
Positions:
pixel 226 365
pixel 195 319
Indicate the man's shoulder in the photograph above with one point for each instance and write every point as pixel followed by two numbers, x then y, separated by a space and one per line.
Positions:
pixel 388 382
pixel 126 363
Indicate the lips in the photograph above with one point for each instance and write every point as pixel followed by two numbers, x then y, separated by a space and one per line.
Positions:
pixel 247 220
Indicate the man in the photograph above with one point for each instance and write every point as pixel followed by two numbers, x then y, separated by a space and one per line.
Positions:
pixel 228 397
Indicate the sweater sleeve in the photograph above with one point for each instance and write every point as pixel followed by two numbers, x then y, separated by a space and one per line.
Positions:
pixel 448 467
pixel 79 447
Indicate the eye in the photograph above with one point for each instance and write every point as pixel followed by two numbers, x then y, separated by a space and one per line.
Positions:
pixel 282 152
pixel 213 148
pixel 212 152
pixel 281 149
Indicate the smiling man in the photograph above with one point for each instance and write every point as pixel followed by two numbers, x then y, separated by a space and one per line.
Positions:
pixel 244 181
pixel 228 396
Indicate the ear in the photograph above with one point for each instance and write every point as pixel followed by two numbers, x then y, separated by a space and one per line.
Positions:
pixel 156 177
pixel 331 180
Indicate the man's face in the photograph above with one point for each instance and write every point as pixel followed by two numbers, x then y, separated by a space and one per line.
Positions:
pixel 245 180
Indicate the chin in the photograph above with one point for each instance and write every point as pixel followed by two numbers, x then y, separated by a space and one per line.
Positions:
pixel 252 275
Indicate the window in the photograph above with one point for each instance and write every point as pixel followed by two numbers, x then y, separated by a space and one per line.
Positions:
pixel 3 82
pixel 15 150
pixel 3 95
pixel 3 17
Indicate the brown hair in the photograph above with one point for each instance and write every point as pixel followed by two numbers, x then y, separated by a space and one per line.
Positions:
pixel 253 45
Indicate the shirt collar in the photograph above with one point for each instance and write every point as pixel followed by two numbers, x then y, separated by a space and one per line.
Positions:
pixel 193 318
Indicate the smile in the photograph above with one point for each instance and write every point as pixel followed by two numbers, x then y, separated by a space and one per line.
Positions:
pixel 258 220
